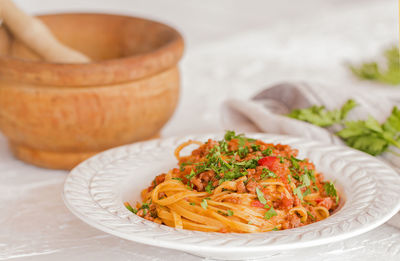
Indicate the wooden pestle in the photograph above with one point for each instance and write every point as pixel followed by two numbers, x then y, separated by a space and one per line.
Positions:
pixel 34 34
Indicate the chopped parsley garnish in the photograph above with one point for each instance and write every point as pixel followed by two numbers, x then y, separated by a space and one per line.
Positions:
pixel 310 173
pixel 223 146
pixel 226 169
pixel 192 204
pixel 295 162
pixel 234 174
pixel 191 175
pixel 209 187
pixel 266 173
pixel 190 186
pixel 275 229
pixel 243 151
pixel 130 208
pixel 229 135
pixel 289 178
pixel 180 179
pixel 305 179
pixel 331 190
pixel 204 204
pixel 307 192
pixel 145 206
pixel 297 192
pixel 270 213
pixel 311 215
pixel 222 213
pixel 255 147
pixel 184 164
pixel 267 152
pixel 260 196
pixel 230 212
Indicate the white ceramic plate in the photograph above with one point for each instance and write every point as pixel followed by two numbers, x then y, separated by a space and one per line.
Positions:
pixel 96 189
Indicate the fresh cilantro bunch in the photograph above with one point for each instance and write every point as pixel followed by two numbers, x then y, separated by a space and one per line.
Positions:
pixel 366 135
pixel 320 116
pixel 371 70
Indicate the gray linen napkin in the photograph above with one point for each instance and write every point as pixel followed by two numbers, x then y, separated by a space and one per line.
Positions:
pixel 265 113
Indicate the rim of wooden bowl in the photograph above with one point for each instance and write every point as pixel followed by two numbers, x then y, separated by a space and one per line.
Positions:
pixel 105 72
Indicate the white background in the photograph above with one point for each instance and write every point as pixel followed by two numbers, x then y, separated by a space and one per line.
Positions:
pixel 233 49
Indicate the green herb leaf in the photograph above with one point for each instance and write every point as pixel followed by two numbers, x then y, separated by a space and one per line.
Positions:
pixel 331 190
pixel 191 175
pixel 310 173
pixel 366 135
pixel 145 206
pixel 319 116
pixel 297 192
pixel 266 173
pixel 370 136
pixel 260 196
pixel 230 212
pixel 129 207
pixel 295 162
pixel 223 146
pixel 184 164
pixel 307 192
pixel 392 124
pixel 373 72
pixel 267 152
pixel 229 135
pixel 243 151
pixel 209 187
pixel 270 213
pixel 204 204
pixel 311 215
pixel 305 179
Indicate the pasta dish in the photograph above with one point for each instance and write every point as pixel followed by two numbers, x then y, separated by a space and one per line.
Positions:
pixel 238 184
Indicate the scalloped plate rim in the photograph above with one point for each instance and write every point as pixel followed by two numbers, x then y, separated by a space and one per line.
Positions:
pixel 190 247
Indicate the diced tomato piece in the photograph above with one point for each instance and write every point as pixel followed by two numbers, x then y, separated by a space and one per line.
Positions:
pixel 160 178
pixel 318 200
pixel 257 204
pixel 268 161
pixel 286 203
pixel 326 202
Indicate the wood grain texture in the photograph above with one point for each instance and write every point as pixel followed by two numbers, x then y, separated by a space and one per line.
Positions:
pixel 56 115
pixel 35 34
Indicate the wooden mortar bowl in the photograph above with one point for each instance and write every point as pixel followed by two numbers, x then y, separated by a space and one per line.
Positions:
pixel 56 115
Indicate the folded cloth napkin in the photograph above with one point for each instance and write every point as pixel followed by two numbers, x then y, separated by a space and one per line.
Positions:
pixel 266 111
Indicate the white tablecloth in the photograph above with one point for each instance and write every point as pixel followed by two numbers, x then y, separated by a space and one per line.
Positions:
pixel 233 50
